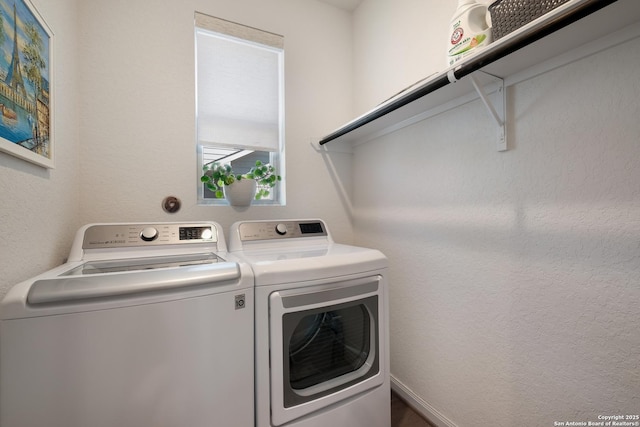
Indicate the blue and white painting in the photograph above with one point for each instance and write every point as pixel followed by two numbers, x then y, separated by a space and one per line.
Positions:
pixel 24 79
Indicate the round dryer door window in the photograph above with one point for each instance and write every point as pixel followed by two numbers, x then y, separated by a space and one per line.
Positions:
pixel 328 349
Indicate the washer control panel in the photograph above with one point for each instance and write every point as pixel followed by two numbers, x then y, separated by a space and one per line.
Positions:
pixel 270 230
pixel 125 235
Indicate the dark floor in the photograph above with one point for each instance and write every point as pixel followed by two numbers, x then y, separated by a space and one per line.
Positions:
pixel 403 416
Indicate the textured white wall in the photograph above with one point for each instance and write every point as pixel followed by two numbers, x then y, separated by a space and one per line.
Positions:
pixel 40 207
pixel 396 40
pixel 137 80
pixel 514 276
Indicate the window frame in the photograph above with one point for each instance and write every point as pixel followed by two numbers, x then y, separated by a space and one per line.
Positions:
pixel 263 40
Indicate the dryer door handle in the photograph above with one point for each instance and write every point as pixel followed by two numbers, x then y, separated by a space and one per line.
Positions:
pixel 74 288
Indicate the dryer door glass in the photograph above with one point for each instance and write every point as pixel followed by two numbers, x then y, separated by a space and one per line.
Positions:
pixel 329 348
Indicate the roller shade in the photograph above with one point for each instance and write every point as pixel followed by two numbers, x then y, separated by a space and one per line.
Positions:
pixel 239 83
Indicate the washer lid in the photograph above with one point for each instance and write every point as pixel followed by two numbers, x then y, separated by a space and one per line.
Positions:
pixel 92 287
pixel 146 263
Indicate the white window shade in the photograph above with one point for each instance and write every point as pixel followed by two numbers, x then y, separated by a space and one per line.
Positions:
pixel 239 85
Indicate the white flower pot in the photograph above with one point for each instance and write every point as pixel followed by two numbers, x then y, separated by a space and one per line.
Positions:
pixel 240 193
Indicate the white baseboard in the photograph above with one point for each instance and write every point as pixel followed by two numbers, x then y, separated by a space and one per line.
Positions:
pixel 419 405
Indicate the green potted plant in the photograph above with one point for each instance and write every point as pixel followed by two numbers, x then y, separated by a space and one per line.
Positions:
pixel 240 189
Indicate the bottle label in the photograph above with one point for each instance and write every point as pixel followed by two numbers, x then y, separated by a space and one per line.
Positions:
pixel 462 45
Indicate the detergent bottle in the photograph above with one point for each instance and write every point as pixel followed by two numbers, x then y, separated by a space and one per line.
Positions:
pixel 468 31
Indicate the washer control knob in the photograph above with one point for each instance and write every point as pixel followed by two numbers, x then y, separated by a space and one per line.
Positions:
pixel 149 234
pixel 281 229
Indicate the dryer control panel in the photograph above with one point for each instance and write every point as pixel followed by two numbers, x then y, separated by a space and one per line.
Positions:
pixel 270 230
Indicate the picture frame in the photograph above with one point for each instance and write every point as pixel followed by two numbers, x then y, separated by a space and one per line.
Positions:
pixel 26 83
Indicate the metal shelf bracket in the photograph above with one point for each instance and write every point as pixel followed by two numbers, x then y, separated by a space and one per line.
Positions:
pixel 497 109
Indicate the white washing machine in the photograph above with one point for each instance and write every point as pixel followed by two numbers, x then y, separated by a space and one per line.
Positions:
pixel 322 355
pixel 145 325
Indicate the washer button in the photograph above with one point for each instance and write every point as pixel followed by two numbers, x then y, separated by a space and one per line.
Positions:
pixel 207 234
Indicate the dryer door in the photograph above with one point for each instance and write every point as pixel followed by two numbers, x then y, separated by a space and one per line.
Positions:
pixel 325 345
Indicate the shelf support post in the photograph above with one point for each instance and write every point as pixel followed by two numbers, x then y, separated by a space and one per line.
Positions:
pixel 498 110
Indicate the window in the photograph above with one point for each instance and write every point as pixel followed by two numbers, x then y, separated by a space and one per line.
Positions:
pixel 239 100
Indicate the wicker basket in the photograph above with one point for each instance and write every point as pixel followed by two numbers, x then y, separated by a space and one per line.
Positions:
pixel 509 15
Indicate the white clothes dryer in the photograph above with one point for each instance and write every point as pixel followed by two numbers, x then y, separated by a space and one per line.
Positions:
pixel 144 325
pixel 321 325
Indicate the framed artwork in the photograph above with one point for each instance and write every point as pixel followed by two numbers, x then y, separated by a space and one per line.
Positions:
pixel 26 113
